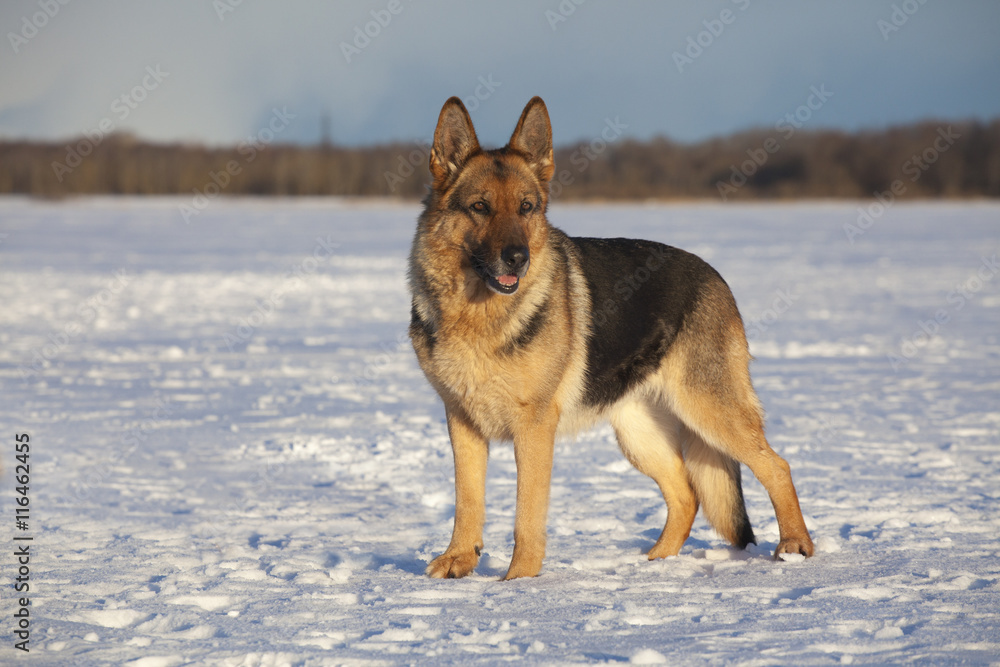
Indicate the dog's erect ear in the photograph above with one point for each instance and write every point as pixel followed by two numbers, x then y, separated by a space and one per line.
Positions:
pixel 533 137
pixel 454 141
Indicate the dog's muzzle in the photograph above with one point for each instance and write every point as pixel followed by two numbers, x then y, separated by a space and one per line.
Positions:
pixel 504 276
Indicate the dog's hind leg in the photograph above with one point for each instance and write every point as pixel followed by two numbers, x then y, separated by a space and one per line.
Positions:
pixel 649 437
pixel 708 385
pixel 744 441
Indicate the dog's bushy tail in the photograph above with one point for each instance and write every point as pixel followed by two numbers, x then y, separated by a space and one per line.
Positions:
pixel 716 480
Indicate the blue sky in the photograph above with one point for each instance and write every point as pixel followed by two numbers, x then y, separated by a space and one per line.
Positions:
pixel 215 71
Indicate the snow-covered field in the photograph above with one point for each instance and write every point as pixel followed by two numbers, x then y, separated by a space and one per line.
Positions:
pixel 235 459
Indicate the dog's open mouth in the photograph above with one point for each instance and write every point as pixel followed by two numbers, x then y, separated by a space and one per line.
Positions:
pixel 504 284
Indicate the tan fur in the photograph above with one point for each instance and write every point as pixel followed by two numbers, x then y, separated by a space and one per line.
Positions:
pixel 685 426
pixel 649 437
pixel 709 471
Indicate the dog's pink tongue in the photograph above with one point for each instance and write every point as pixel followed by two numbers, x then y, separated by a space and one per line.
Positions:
pixel 507 280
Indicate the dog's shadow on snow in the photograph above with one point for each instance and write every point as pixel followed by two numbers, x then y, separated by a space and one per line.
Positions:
pixel 489 566
pixel 377 562
pixel 647 539
pixel 697 548
pixel 401 562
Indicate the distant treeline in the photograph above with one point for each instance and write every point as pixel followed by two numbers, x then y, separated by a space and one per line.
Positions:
pixel 930 159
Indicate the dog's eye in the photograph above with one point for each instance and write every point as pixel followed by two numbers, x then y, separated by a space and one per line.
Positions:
pixel 480 207
pixel 526 207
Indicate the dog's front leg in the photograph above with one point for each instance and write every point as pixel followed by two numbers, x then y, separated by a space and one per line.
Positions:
pixel 533 456
pixel 471 450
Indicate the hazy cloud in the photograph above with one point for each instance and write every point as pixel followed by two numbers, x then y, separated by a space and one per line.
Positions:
pixel 381 69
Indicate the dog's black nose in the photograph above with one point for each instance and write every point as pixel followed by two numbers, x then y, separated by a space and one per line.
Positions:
pixel 514 257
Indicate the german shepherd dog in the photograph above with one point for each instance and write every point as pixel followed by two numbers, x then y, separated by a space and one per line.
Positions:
pixel 527 333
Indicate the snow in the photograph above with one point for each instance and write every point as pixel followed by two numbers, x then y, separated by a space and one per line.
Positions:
pixel 236 460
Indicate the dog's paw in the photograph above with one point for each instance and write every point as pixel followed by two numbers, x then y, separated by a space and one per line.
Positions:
pixel 522 565
pixel 453 565
pixel 519 572
pixel 663 549
pixel 794 545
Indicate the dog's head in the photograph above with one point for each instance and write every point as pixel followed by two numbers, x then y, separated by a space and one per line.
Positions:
pixel 489 205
